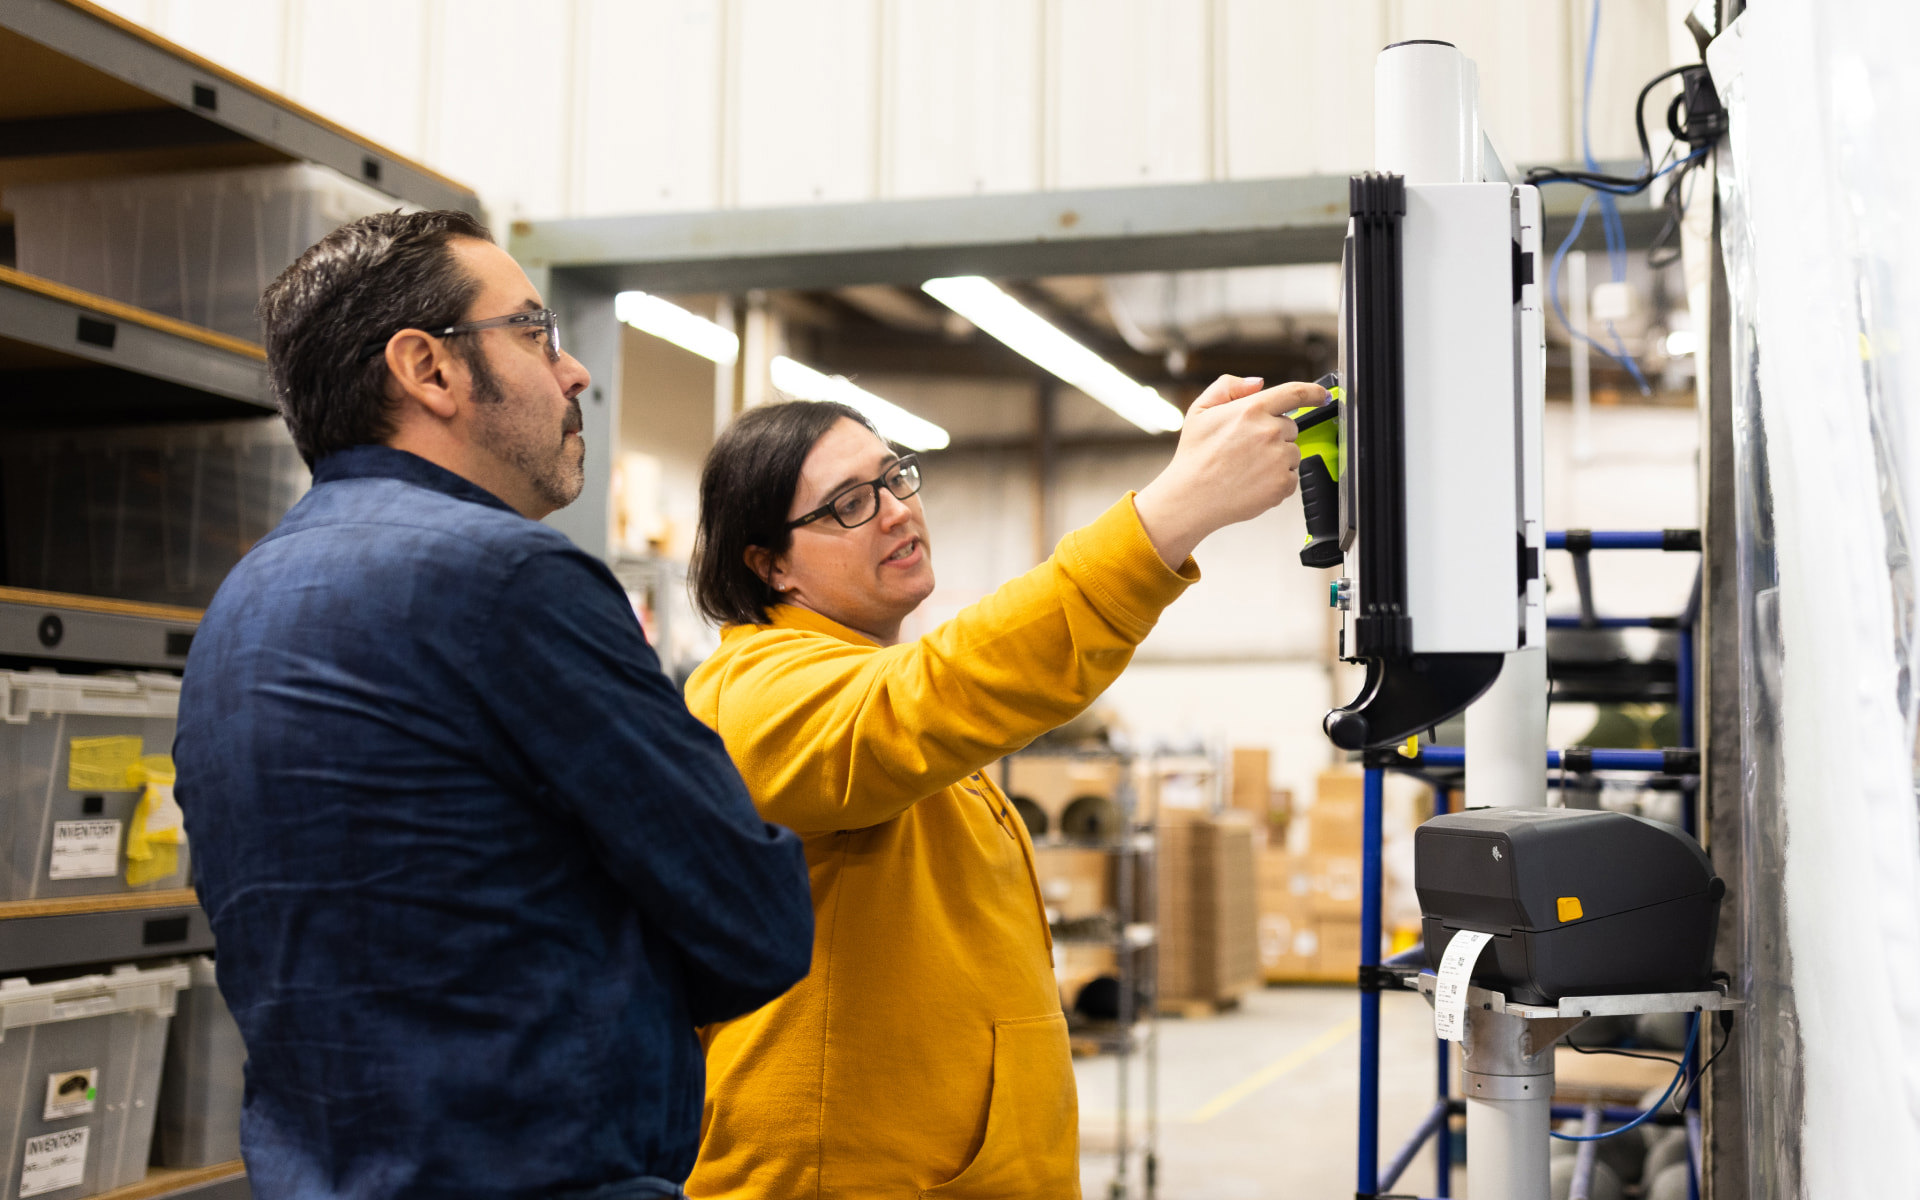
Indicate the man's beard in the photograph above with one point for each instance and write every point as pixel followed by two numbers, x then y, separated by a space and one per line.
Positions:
pixel 556 471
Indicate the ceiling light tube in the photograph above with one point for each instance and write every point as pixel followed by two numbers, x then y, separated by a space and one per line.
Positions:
pixel 895 424
pixel 1030 335
pixel 666 320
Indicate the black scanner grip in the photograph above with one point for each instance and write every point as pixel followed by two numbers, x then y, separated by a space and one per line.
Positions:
pixel 1320 502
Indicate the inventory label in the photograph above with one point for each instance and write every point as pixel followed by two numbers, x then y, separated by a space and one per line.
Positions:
pixel 71 1094
pixel 54 1161
pixel 1450 989
pixel 85 850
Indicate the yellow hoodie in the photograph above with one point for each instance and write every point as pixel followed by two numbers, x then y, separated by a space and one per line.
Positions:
pixel 925 1054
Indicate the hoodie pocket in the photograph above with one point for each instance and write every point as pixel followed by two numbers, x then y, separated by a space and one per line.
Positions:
pixel 1032 1144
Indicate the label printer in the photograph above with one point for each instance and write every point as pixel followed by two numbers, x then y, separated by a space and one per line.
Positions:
pixel 1579 902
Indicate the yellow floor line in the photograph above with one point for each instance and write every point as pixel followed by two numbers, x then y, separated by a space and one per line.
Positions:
pixel 1266 1075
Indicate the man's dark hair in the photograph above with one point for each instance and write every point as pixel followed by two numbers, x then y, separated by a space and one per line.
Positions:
pixel 355 288
pixel 746 490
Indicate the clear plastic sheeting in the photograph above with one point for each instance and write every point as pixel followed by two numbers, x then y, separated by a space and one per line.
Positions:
pixel 1769 1026
pixel 1816 191
pixel 158 513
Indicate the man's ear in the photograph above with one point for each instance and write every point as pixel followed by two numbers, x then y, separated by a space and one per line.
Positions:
pixel 422 370
pixel 764 563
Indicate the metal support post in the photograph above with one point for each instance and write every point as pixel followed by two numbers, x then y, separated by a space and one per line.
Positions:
pixel 1506 1075
pixel 1370 888
pixel 1507 734
pixel 1443 1140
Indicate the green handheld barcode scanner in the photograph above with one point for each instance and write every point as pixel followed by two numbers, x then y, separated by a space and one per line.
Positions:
pixel 1319 442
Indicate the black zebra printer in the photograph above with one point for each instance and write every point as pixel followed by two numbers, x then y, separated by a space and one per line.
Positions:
pixel 1579 902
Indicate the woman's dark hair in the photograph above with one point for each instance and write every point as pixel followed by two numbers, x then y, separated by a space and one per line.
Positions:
pixel 746 489
pixel 355 288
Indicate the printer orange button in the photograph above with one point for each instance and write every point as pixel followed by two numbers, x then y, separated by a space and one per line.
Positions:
pixel 1570 908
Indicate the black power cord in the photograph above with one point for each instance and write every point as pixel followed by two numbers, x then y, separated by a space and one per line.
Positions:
pixel 1621 185
pixel 1695 118
pixel 1570 1044
pixel 1726 1035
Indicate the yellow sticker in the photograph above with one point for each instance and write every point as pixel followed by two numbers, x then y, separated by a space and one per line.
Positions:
pixel 100 764
pixel 1570 908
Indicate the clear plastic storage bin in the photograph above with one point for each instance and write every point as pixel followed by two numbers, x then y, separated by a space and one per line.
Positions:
pixel 83 1058
pixel 205 1080
pixel 158 514
pixel 199 246
pixel 61 840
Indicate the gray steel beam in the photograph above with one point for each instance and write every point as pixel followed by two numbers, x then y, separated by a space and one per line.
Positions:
pixel 73 329
pixel 1025 235
pixel 591 333
pixel 262 117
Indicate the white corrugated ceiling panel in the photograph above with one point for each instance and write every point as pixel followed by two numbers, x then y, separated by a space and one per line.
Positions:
pixel 1298 85
pixel 373 85
pixel 1130 92
pixel 496 122
pixel 802 95
pixel 963 97
pixel 649 123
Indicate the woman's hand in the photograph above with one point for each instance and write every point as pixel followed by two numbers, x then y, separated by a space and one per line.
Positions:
pixel 1236 460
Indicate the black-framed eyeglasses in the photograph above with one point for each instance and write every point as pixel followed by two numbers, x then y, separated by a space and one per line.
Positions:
pixel 543 321
pixel 860 503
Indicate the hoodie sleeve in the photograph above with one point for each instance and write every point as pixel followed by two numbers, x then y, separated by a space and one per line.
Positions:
pixel 830 735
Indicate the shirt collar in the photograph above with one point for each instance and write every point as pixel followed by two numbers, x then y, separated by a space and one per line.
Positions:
pixel 385 462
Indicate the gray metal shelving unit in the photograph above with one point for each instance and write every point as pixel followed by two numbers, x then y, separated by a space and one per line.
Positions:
pixel 85 93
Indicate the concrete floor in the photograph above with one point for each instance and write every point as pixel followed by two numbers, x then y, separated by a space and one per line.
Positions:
pixel 1261 1103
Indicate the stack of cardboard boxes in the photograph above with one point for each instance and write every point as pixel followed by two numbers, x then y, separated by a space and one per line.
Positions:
pixel 1310 900
pixel 1206 908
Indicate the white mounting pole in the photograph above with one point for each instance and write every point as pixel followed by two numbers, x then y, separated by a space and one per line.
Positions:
pixel 1426 104
pixel 1427 129
pixel 1582 356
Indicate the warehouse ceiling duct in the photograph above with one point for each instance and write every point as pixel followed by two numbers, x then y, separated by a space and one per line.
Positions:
pixel 1160 311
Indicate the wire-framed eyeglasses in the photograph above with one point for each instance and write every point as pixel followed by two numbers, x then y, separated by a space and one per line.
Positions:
pixel 543 323
pixel 860 503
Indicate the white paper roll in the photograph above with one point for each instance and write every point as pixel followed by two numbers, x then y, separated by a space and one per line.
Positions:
pixel 1450 991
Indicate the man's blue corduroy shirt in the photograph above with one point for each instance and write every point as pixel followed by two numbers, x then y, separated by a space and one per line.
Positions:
pixel 473 871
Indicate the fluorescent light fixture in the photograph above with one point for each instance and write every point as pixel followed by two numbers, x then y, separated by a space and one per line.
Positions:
pixel 1027 333
pixel 664 319
pixel 895 424
pixel 1682 342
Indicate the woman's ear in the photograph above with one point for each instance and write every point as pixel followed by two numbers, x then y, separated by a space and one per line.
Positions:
pixel 761 562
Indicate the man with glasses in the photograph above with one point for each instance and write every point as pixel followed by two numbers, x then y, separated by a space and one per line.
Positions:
pixel 474 873
pixel 926 1053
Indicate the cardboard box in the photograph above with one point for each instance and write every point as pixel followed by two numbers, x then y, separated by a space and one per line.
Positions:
pixel 1289 946
pixel 1207 911
pixel 1340 949
pixel 1335 885
pixel 1285 881
pixel 1335 823
pixel 1076 965
pixel 1247 787
pixel 1075 881
pixel 1054 781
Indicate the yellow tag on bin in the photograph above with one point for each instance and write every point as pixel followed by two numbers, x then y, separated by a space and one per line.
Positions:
pixel 100 764
pixel 158 828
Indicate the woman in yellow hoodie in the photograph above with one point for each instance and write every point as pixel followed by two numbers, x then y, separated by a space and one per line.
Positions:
pixel 925 1054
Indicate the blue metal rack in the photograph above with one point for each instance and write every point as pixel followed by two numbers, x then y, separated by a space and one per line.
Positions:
pixel 1435 1126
